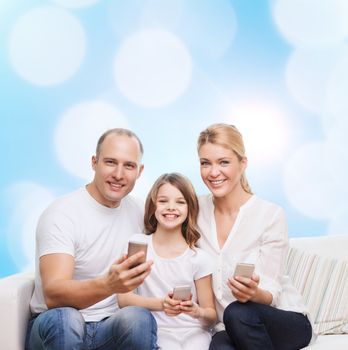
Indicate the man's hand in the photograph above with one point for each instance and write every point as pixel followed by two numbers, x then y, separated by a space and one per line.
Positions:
pixel 123 278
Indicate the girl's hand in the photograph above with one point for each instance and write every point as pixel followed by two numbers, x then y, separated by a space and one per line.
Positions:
pixel 191 308
pixel 171 307
pixel 243 288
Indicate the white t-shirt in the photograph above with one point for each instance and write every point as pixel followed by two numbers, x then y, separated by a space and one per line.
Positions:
pixel 93 234
pixel 258 236
pixel 165 274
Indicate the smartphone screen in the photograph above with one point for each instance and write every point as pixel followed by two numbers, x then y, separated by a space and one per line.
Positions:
pixel 182 293
pixel 244 270
pixel 135 247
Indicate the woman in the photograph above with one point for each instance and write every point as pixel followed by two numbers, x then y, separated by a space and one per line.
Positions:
pixel 264 311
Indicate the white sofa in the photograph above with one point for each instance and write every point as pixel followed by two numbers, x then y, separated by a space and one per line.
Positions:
pixel 331 247
pixel 16 290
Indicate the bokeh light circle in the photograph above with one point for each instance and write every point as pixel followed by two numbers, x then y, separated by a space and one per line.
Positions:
pixel 47 45
pixel 311 23
pixel 30 200
pixel 152 68
pixel 78 131
pixel 308 74
pixel 308 184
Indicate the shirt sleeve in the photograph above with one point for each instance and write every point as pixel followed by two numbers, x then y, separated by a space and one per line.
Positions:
pixel 202 263
pixel 273 252
pixel 55 234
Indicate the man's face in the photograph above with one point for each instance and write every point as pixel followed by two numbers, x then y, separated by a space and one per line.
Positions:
pixel 116 169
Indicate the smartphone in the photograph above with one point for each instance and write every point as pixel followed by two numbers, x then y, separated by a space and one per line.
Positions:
pixel 244 270
pixel 135 247
pixel 182 293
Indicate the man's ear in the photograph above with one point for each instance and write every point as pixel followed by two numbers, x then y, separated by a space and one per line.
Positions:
pixel 94 162
pixel 141 168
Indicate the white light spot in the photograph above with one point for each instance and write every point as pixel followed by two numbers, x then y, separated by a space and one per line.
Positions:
pixel 337 152
pixel 152 68
pixel 78 131
pixel 263 128
pixel 47 45
pixel 336 107
pixel 308 73
pixel 30 200
pixel 75 3
pixel 308 183
pixel 312 23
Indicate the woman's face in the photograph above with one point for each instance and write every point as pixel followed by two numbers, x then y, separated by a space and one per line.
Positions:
pixel 221 170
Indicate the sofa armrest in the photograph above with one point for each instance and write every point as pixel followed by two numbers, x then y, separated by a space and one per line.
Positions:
pixel 15 294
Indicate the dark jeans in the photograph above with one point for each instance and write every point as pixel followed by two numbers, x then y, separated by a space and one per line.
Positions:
pixel 253 326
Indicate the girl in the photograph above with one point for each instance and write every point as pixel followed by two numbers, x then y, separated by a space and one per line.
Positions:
pixel 264 311
pixel 171 211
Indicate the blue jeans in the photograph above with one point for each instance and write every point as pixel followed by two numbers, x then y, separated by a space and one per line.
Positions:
pixel 130 328
pixel 253 326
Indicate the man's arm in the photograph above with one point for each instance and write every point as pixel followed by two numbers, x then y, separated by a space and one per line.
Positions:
pixel 60 289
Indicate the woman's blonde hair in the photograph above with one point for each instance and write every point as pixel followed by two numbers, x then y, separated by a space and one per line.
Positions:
pixel 229 137
pixel 189 227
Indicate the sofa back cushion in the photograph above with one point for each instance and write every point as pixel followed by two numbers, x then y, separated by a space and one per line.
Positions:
pixel 323 283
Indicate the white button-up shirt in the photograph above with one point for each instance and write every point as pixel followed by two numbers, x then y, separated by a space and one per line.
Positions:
pixel 258 236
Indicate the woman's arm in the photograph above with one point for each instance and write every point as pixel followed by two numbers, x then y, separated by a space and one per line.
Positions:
pixel 265 288
pixel 204 310
pixel 132 299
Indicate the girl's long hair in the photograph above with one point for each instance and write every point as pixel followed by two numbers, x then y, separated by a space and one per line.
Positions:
pixel 189 227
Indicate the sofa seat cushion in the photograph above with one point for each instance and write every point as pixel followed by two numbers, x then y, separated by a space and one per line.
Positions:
pixel 330 342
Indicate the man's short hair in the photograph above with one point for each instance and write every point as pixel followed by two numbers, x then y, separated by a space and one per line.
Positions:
pixel 118 131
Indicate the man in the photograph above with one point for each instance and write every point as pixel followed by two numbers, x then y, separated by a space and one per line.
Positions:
pixel 78 238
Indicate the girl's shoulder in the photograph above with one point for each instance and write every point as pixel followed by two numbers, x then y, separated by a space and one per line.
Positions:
pixel 201 262
pixel 200 255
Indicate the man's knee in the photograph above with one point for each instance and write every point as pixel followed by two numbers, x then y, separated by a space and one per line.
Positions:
pixel 134 328
pixel 58 323
pixel 67 317
pixel 137 317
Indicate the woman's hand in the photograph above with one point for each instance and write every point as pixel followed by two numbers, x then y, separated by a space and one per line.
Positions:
pixel 171 307
pixel 244 289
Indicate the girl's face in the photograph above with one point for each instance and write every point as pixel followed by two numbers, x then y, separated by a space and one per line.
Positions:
pixel 171 207
pixel 221 170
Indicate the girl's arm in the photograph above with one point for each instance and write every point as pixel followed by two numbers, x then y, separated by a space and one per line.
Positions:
pixel 132 299
pixel 205 309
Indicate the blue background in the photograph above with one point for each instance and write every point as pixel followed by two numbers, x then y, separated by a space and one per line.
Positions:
pixel 69 70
